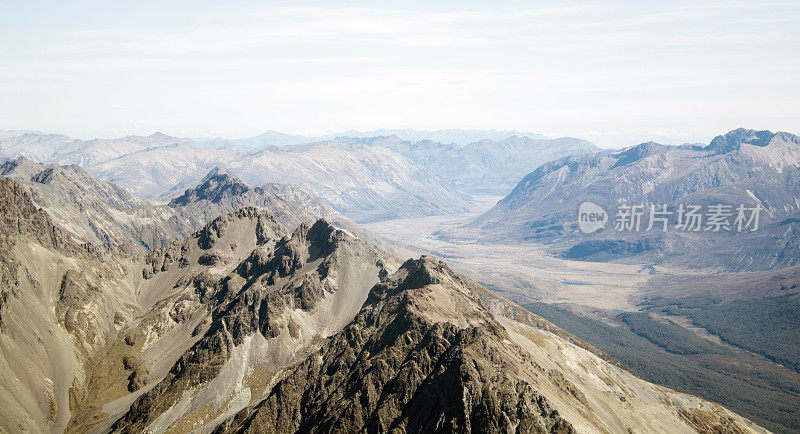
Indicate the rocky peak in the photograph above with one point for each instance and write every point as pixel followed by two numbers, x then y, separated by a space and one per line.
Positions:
pixel 734 140
pixel 427 288
pixel 266 228
pixel 638 152
pixel 22 167
pixel 155 139
pixel 243 229
pixel 216 186
pixel 422 272
pixel 319 237
pixel 323 236
pixel 393 368
pixel 304 245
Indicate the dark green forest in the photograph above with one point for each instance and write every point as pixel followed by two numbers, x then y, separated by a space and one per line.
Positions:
pixel 665 355
pixel 768 326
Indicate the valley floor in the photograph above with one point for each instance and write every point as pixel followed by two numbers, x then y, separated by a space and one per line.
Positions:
pixel 520 272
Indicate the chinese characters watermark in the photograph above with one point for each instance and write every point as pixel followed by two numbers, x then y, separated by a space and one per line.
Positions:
pixel 663 217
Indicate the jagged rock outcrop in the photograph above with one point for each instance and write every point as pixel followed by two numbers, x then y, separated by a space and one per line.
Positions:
pixel 395 367
pixel 220 192
pixel 267 311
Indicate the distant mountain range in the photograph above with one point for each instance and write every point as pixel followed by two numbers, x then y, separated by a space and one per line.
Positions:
pixel 367 179
pixel 742 167
pixel 452 136
pixel 368 183
pixel 364 182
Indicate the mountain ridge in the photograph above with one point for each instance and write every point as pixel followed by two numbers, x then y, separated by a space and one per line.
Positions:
pixel 398 180
pixel 447 357
pixel 544 204
pixel 101 213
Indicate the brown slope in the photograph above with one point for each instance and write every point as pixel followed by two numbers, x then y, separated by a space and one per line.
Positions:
pixel 56 309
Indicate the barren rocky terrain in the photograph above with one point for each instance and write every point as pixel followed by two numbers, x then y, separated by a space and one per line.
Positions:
pixel 250 325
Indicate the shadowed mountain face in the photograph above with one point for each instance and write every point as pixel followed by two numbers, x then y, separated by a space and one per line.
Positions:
pixel 246 325
pixel 743 167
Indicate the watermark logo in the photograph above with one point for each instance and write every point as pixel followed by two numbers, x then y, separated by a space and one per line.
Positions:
pixel 663 217
pixel 591 217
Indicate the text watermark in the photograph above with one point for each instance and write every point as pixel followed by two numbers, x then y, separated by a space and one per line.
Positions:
pixel 663 217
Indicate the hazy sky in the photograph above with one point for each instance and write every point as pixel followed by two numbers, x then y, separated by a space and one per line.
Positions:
pixel 613 73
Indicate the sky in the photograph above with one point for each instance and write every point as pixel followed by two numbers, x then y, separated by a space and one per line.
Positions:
pixel 614 73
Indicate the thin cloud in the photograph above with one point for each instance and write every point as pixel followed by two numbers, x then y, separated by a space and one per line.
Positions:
pixel 279 26
pixel 602 67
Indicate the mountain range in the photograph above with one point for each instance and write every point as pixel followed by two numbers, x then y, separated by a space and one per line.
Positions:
pixel 160 166
pixel 366 179
pixel 452 136
pixel 741 168
pixel 250 325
